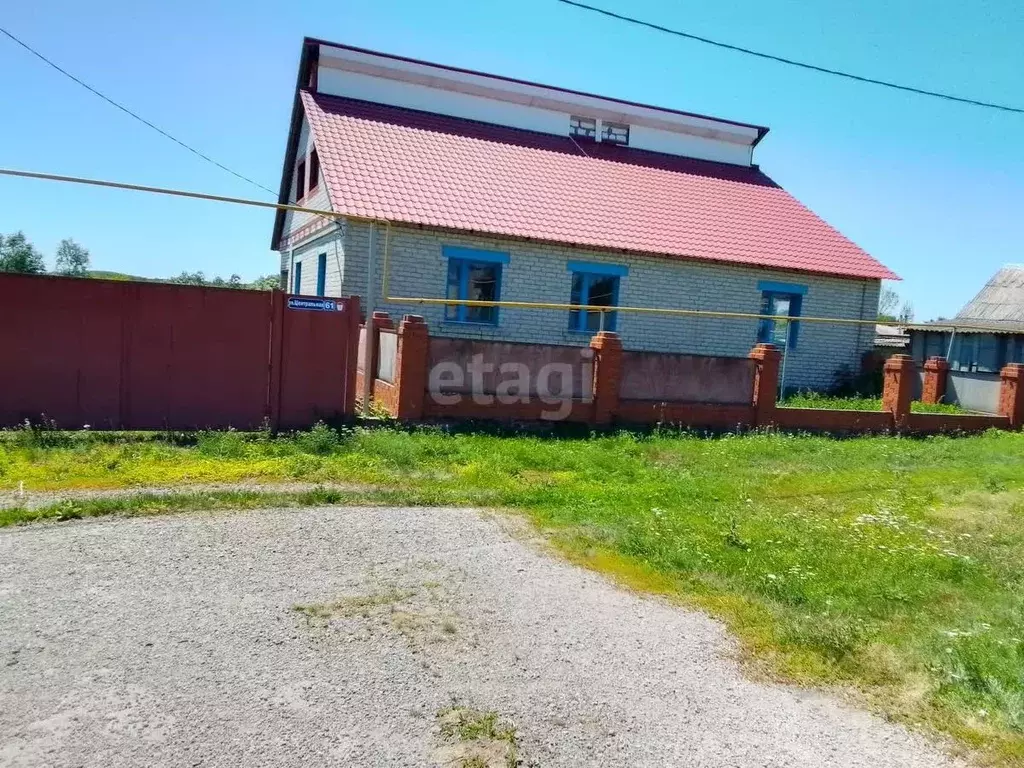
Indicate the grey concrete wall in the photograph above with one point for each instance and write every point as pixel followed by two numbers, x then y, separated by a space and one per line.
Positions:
pixel 974 391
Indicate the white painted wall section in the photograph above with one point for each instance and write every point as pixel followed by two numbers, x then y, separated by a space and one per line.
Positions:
pixel 431 88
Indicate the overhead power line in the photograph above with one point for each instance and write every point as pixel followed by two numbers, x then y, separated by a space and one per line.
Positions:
pixel 135 115
pixel 176 193
pixel 793 62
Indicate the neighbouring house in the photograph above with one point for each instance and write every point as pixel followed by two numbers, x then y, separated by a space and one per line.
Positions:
pixel 890 340
pixel 489 188
pixel 989 330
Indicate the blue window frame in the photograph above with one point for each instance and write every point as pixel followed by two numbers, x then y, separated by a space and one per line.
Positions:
pixel 780 299
pixel 473 275
pixel 321 274
pixel 297 285
pixel 594 284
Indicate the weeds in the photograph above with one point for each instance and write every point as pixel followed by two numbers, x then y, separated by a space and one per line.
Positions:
pixel 859 403
pixel 481 738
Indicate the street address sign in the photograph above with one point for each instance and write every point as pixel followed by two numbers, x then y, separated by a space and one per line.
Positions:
pixel 315 305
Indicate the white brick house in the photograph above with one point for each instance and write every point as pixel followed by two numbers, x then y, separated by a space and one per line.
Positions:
pixel 484 188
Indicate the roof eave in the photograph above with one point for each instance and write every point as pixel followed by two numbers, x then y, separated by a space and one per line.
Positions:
pixel 307 58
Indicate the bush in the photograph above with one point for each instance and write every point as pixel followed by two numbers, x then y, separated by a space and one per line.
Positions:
pixel 226 445
pixel 321 440
pixel 41 434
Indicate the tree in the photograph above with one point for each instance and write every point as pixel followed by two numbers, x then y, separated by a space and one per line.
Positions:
pixel 234 281
pixel 266 283
pixel 190 278
pixel 17 254
pixel 72 259
pixel 892 309
pixel 888 301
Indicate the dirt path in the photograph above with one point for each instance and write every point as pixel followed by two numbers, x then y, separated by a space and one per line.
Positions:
pixel 375 637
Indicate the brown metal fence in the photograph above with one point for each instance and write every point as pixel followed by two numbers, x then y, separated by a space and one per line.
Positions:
pixel 128 355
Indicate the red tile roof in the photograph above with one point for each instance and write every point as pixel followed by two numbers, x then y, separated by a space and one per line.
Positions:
pixel 421 168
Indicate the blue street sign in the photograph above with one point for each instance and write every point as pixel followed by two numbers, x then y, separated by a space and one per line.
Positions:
pixel 316 305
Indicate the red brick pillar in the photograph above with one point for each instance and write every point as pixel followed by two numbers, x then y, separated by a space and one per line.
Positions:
pixel 411 367
pixel 933 388
pixel 766 359
pixel 607 373
pixel 898 388
pixel 1011 394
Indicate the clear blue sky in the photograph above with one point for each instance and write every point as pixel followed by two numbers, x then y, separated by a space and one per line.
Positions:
pixel 934 190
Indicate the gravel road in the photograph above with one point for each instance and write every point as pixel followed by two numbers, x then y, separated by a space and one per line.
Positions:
pixel 337 636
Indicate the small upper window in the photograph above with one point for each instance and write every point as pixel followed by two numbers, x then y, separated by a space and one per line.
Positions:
pixel 300 180
pixel 583 127
pixel 615 133
pixel 314 169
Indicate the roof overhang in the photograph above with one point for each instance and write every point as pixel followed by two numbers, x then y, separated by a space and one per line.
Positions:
pixel 307 64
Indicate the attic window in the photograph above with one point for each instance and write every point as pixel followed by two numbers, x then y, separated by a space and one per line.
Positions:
pixel 314 169
pixel 583 127
pixel 300 180
pixel 615 133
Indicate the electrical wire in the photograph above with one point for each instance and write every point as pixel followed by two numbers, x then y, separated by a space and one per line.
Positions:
pixel 135 115
pixel 794 62
pixel 461 302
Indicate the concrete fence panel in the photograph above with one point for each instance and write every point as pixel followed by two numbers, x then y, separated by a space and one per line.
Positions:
pixel 686 378
pixel 386 355
pixel 565 370
pixel 974 391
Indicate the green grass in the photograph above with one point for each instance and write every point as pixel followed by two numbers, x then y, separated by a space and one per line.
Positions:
pixel 815 400
pixel 889 566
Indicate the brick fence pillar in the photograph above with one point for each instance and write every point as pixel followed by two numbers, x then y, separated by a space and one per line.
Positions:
pixel 898 388
pixel 411 367
pixel 766 359
pixel 933 387
pixel 607 373
pixel 1011 394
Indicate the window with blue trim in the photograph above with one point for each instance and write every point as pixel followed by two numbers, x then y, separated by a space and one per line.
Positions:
pixel 321 274
pixel 595 285
pixel 785 300
pixel 297 287
pixel 473 275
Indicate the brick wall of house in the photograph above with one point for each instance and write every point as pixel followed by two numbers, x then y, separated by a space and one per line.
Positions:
pixel 538 272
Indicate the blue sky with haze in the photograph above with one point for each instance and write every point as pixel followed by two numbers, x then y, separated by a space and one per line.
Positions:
pixel 935 190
